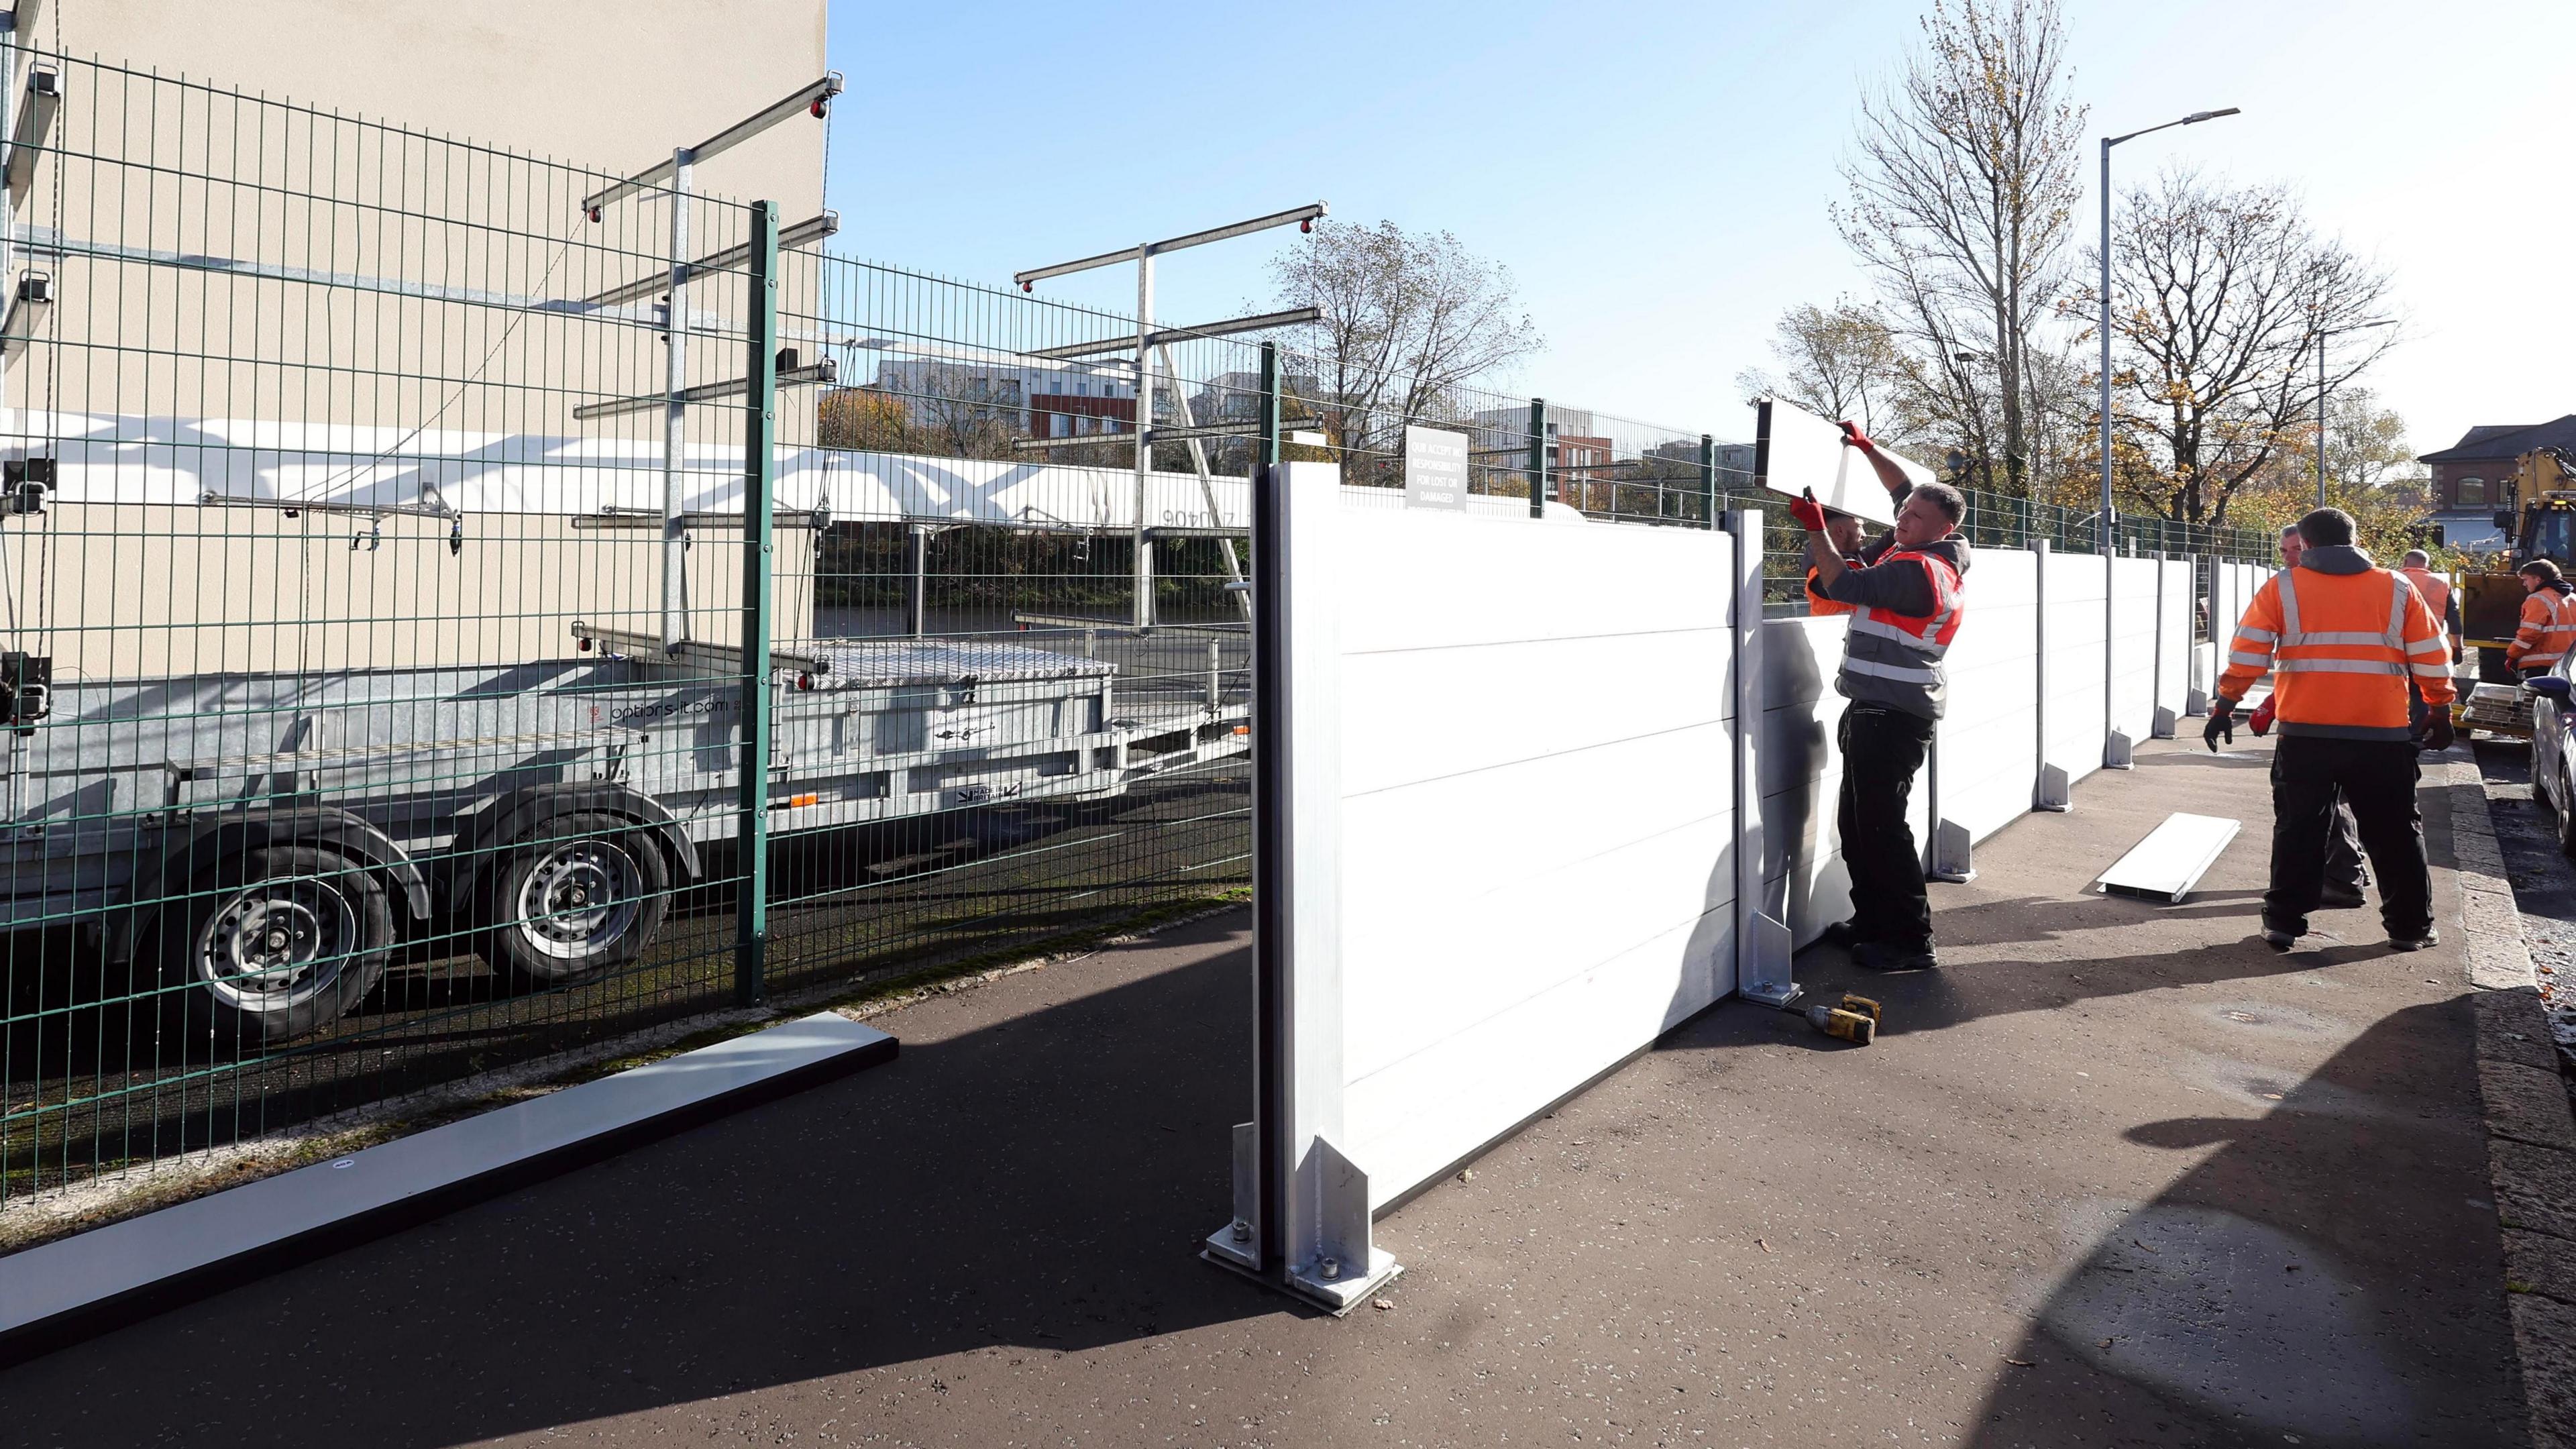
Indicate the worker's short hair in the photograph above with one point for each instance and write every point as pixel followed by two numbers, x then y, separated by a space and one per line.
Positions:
pixel 1952 503
pixel 2415 558
pixel 2288 528
pixel 2541 569
pixel 2326 527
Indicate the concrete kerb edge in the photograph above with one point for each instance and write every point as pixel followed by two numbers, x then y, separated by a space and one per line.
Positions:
pixel 2531 1133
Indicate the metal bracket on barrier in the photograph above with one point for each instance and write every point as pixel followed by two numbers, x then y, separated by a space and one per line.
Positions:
pixel 1343 1265
pixel 1953 853
pixel 2119 752
pixel 2054 793
pixel 1771 983
pixel 1233 1245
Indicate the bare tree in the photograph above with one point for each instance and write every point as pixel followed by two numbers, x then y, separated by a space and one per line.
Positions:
pixel 1837 362
pixel 1409 317
pixel 1961 198
pixel 2220 296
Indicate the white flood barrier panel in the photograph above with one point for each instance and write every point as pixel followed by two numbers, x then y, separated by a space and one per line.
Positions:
pixel 1987 750
pixel 2133 648
pixel 2173 639
pixel 1537 816
pixel 2072 586
pixel 1496 826
pixel 1804 881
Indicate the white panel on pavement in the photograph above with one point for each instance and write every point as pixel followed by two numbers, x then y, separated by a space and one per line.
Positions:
pixel 2172 859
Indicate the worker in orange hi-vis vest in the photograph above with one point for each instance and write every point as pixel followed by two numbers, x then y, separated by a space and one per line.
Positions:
pixel 2346 876
pixel 2342 637
pixel 2547 626
pixel 1844 530
pixel 2417 567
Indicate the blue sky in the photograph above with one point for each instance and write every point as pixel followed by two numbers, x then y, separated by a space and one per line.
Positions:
pixel 1657 176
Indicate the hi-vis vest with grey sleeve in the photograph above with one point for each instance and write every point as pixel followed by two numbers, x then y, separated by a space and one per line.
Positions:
pixel 1895 659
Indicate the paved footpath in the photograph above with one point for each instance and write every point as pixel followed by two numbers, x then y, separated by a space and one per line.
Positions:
pixel 2116 1175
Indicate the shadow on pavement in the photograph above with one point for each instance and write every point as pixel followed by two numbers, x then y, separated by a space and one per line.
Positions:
pixel 1038 1185
pixel 2313 1282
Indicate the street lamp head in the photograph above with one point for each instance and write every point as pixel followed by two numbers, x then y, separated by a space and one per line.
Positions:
pixel 2198 116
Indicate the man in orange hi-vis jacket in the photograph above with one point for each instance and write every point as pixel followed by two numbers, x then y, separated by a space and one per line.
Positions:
pixel 2548 620
pixel 2343 638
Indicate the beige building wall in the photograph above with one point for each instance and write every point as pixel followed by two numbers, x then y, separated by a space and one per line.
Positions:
pixel 612 84
pixel 491 120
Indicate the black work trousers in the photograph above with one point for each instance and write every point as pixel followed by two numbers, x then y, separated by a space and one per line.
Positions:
pixel 2376 778
pixel 1883 748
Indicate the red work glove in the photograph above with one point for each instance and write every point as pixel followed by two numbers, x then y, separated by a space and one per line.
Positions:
pixel 2260 722
pixel 1853 437
pixel 1809 513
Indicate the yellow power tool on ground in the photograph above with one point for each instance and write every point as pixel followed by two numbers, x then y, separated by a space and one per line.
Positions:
pixel 1853 1019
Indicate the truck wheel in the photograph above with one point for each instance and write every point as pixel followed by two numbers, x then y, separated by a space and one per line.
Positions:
pixel 274 944
pixel 576 895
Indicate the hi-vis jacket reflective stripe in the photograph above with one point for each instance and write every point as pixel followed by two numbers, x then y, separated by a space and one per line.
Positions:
pixel 2342 649
pixel 2548 627
pixel 1888 655
pixel 1818 604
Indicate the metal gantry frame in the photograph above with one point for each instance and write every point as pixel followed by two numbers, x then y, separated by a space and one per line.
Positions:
pixel 1150 342
pixel 813 99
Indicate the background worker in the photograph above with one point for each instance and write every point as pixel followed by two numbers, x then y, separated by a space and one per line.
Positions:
pixel 2417 567
pixel 2342 637
pixel 1844 530
pixel 1909 603
pixel 2346 876
pixel 2548 624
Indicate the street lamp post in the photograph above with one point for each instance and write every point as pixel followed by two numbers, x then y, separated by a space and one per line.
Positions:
pixel 2195 118
pixel 2115 746
pixel 2322 334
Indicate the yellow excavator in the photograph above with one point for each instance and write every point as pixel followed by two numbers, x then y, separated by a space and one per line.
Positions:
pixel 2544 480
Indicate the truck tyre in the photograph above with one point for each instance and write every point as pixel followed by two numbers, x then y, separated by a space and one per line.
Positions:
pixel 573 896
pixel 273 944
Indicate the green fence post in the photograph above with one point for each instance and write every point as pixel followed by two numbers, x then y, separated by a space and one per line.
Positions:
pixel 1538 457
pixel 759 480
pixel 1708 480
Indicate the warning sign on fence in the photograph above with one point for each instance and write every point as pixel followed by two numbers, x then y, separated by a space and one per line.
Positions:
pixel 1435 468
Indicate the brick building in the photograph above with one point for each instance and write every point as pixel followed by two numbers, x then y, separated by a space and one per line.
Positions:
pixel 2476 473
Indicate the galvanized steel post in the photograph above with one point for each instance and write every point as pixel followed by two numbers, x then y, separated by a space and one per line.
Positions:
pixel 760 478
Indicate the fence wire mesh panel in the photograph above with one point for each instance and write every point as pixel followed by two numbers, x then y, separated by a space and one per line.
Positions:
pixel 1056 679
pixel 406 544
pixel 338 766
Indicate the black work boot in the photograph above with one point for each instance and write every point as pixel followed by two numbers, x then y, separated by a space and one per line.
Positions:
pixel 1887 956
